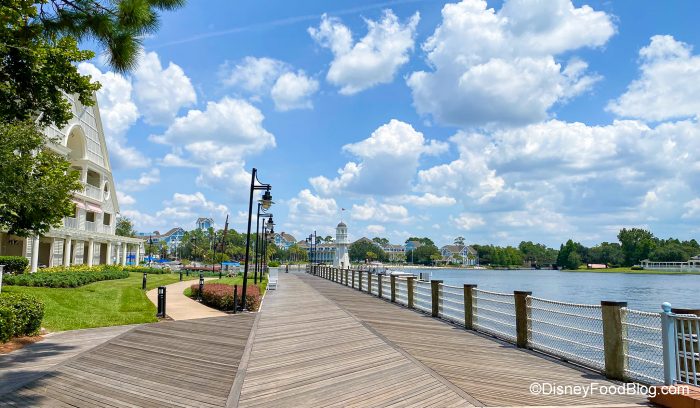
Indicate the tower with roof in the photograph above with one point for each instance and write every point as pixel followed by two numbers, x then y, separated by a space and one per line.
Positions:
pixel 342 258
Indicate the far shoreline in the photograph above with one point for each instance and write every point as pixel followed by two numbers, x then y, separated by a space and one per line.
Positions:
pixel 606 270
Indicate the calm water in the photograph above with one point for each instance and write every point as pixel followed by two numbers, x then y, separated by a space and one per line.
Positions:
pixel 642 292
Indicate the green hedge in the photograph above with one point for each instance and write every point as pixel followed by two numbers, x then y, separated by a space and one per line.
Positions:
pixel 146 269
pixel 14 264
pixel 67 278
pixel 20 315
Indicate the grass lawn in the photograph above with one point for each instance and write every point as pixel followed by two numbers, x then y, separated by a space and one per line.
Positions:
pixel 99 304
pixel 628 270
pixel 238 280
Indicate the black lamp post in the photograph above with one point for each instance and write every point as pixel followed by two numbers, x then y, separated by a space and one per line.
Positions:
pixel 193 241
pixel 312 250
pixel 259 254
pixel 150 250
pixel 267 227
pixel 265 203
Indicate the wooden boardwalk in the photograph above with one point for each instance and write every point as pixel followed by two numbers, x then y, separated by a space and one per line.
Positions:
pixel 315 344
pixel 170 364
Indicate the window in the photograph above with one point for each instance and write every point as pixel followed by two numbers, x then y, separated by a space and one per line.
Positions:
pixel 90 216
pixel 107 219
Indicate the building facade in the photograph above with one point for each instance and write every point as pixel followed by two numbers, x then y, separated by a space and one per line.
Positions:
pixel 204 223
pixel 88 236
pixel 284 240
pixel 463 254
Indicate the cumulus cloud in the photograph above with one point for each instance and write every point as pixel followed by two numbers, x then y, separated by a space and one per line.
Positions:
pixel 427 200
pixel 466 222
pixel 217 140
pixel 260 77
pixel 145 180
pixel 498 67
pixel 374 59
pixel 125 199
pixel 668 86
pixel 388 161
pixel 374 229
pixel 180 210
pixel 308 209
pixel 381 212
pixel 161 93
pixel 118 113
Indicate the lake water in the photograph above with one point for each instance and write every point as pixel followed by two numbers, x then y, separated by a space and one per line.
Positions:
pixel 642 292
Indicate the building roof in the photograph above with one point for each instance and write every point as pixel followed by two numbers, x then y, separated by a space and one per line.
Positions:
pixel 393 246
pixel 287 237
pixel 202 219
pixel 171 231
pixel 342 224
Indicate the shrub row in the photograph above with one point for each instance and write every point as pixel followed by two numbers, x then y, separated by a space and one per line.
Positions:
pixel 220 296
pixel 82 268
pixel 14 264
pixel 68 279
pixel 20 315
pixel 142 269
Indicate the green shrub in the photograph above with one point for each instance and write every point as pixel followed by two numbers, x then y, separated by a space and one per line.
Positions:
pixel 69 278
pixel 146 269
pixel 14 264
pixel 220 296
pixel 7 323
pixel 273 264
pixel 28 313
pixel 637 268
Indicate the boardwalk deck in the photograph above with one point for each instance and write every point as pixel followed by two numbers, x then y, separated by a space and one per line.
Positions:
pixel 181 364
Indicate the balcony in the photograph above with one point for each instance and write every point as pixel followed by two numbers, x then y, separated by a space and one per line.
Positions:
pixel 69 222
pixel 93 192
pixel 90 226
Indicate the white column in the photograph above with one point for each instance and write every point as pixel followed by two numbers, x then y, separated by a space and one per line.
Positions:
pixel 109 253
pixel 91 252
pixel 125 249
pixel 35 254
pixel 137 259
pixel 67 244
pixel 51 251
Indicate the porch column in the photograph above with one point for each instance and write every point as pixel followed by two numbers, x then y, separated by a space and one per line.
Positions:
pixel 125 249
pixel 51 252
pixel 67 244
pixel 109 253
pixel 91 251
pixel 35 254
pixel 137 258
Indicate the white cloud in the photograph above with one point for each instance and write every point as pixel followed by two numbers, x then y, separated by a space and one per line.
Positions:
pixel 427 200
pixel 181 210
pixel 466 222
pixel 493 67
pixel 118 113
pixel 382 212
pixel 668 86
pixel 292 91
pixel 374 229
pixel 267 76
pixel 161 93
pixel 125 199
pixel 388 162
pixel 374 59
pixel 145 180
pixel 307 210
pixel 217 140
pixel 693 208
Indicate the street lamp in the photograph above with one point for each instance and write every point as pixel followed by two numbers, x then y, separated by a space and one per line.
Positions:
pixel 267 227
pixel 259 243
pixel 150 250
pixel 266 202
pixel 312 251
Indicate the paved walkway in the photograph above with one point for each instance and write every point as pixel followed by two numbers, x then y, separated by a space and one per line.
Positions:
pixel 179 306
pixel 34 360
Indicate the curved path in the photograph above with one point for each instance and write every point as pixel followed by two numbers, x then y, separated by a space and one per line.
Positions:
pixel 180 307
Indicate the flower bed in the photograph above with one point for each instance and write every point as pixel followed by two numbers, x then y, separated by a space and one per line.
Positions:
pixel 60 277
pixel 20 315
pixel 220 296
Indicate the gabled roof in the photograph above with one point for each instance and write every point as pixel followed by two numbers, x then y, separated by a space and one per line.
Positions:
pixel 172 231
pixel 287 237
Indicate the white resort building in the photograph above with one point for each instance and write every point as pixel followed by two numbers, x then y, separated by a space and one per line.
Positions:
pixel 88 237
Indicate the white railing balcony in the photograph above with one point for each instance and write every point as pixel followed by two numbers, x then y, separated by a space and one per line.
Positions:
pixel 107 229
pixel 90 226
pixel 69 222
pixel 93 192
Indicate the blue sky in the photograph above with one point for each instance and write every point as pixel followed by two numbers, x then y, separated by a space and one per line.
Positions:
pixel 499 122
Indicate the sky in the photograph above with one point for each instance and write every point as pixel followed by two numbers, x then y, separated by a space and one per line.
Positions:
pixel 496 121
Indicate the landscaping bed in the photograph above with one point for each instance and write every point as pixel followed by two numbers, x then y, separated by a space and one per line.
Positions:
pixel 218 294
pixel 60 277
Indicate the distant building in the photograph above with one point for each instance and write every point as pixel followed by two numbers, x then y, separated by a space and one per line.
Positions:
pixel 463 254
pixel 284 240
pixel 172 238
pixel 204 223
pixel 394 252
pixel 412 246
pixel 693 265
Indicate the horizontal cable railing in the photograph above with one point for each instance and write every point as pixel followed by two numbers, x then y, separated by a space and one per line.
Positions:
pixel 642 332
pixel 402 291
pixel 494 313
pixel 422 298
pixel 451 306
pixel 386 287
pixel 375 285
pixel 569 330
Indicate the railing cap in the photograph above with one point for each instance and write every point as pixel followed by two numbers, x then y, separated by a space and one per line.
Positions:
pixel 612 303
pixel 685 311
pixel 522 292
pixel 470 285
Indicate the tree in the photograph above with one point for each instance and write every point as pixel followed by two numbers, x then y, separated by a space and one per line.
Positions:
pixel 381 241
pixel 669 252
pixel 371 255
pixel 423 254
pixel 566 260
pixel 459 241
pixel 636 244
pixel 125 227
pixel 606 253
pixel 35 183
pixel 424 240
pixel 358 251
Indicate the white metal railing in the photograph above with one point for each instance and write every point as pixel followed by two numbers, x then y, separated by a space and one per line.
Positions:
pixel 570 330
pixel 642 333
pixel 386 287
pixel 681 347
pixel 402 291
pixel 90 226
pixel 70 222
pixel 93 192
pixel 451 306
pixel 422 297
pixel 494 313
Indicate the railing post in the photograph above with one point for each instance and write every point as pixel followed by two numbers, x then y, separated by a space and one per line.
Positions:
pixel 201 286
pixel 435 296
pixel 369 282
pixel 353 278
pixel 347 280
pixel 235 298
pixel 410 285
pixel 143 283
pixel 523 328
pixel 359 275
pixel 392 279
pixel 379 286
pixel 161 302
pixel 469 306
pixel 669 342
pixel 615 347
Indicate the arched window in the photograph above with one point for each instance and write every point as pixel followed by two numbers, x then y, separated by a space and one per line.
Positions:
pixel 76 143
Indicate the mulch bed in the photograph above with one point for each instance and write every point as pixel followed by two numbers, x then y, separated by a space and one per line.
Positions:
pixel 18 342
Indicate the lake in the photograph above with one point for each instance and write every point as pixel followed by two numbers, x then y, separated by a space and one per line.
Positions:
pixel 642 292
